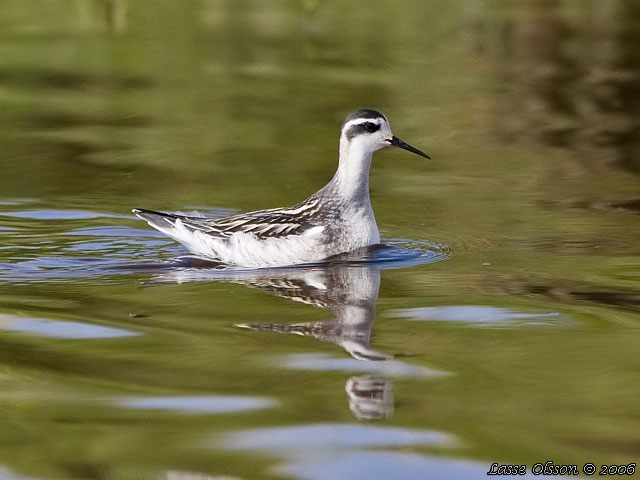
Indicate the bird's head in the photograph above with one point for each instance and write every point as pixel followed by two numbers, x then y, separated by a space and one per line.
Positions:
pixel 368 131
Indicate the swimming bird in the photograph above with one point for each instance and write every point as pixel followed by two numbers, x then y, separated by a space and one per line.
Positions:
pixel 336 219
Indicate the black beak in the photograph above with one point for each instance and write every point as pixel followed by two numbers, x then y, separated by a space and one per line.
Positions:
pixel 396 142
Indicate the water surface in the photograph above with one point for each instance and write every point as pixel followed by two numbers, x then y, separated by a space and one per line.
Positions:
pixel 498 323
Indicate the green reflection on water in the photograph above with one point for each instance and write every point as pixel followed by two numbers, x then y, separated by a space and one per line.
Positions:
pixel 530 115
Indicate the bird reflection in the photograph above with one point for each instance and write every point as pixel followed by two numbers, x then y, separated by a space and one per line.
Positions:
pixel 346 288
pixel 370 397
pixel 348 292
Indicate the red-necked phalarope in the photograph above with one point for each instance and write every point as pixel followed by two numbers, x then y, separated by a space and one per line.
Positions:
pixel 336 219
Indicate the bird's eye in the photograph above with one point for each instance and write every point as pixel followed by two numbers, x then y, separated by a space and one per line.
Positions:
pixel 371 127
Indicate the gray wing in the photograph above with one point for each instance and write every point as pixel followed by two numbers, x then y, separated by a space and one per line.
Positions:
pixel 277 222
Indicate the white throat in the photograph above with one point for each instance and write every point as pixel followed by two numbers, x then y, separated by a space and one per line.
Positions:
pixel 351 180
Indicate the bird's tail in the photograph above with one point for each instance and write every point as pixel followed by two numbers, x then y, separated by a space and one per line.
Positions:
pixel 159 220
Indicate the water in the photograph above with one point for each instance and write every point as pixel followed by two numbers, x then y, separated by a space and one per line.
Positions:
pixel 499 323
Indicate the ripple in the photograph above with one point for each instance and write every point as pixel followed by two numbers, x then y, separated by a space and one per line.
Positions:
pixel 61 329
pixel 393 253
pixel 402 253
pixel 96 250
pixel 480 315
pixel 6 474
pixel 116 231
pixel 382 465
pixel 197 404
pixel 59 214
pixel 321 362
pixel 332 437
pixel 356 451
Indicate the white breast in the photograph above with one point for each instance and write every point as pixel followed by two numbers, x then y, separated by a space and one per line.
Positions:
pixel 360 229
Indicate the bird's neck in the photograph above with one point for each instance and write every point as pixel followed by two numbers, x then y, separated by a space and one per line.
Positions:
pixel 351 181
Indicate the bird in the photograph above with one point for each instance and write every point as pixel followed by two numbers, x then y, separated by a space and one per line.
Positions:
pixel 336 219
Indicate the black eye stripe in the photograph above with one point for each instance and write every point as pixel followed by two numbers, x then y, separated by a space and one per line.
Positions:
pixel 370 126
pixel 361 129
